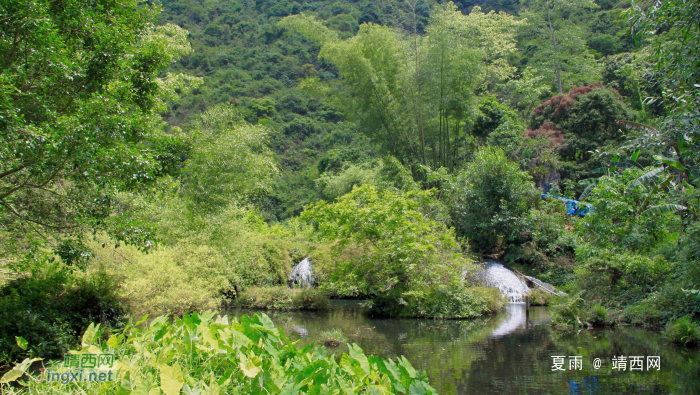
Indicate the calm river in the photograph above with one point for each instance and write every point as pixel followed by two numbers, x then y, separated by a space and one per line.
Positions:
pixel 510 353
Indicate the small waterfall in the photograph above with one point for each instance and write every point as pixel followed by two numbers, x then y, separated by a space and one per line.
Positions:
pixel 510 285
pixel 302 275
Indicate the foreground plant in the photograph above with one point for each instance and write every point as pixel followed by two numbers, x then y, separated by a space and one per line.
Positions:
pixel 203 354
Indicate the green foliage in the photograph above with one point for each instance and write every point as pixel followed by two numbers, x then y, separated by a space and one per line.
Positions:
pixel 493 116
pixel 618 219
pixel 676 53
pixel 413 96
pixel 629 260
pixel 167 280
pixel 451 301
pixel 597 315
pixel 560 55
pixel 567 311
pixel 206 259
pixel 388 173
pixel 537 297
pixel 229 162
pixel 547 249
pixel 333 338
pixel 79 110
pixel 205 353
pixel 49 310
pixel 683 331
pixel 282 298
pixel 620 279
pixel 588 119
pixel 490 199
pixel 401 250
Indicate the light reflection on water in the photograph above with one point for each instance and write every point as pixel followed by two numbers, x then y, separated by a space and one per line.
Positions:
pixel 509 353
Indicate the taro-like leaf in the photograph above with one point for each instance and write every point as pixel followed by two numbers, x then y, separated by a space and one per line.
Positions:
pixel 171 379
pixel 249 367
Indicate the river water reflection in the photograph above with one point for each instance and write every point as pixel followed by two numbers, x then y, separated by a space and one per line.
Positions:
pixel 509 353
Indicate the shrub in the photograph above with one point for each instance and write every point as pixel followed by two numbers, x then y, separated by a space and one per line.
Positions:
pixel 491 116
pixel 683 331
pixel 567 310
pixel 283 298
pixel 50 308
pixel 399 249
pixel 206 260
pixel 546 249
pixel 229 161
pixel 333 338
pixel 587 116
pixel 168 280
pixel 618 222
pixel 490 199
pixel 624 279
pixel 539 298
pixel 441 301
pixel 204 354
pixel 597 315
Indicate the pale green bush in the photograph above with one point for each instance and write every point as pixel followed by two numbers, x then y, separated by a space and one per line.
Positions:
pixel 168 280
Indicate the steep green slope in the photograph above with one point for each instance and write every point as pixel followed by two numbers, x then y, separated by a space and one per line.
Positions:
pixel 246 59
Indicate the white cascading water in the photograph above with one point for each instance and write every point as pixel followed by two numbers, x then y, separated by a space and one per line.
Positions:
pixel 510 285
pixel 302 274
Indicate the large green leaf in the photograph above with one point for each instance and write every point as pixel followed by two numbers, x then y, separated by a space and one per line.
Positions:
pixel 11 376
pixel 171 379
pixel 18 371
pixel 586 192
pixel 673 162
pixel 406 365
pixel 291 388
pixel 90 334
pixel 664 208
pixel 358 355
pixel 651 174
pixel 250 366
pixel 416 389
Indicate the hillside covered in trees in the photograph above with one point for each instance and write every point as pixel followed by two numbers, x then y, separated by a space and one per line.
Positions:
pixel 175 156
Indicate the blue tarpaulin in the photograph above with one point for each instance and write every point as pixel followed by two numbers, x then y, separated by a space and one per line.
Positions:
pixel 572 206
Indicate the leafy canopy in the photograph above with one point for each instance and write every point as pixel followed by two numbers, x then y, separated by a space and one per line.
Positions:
pixel 79 96
pixel 230 161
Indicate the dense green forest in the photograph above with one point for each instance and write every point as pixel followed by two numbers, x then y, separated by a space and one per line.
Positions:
pixel 175 156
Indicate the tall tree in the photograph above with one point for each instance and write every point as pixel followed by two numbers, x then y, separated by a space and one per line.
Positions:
pixel 561 52
pixel 79 102
pixel 413 93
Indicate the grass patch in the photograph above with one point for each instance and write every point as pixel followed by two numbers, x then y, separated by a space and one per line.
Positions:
pixel 539 297
pixel 683 331
pixel 333 338
pixel 283 298
pixel 597 315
